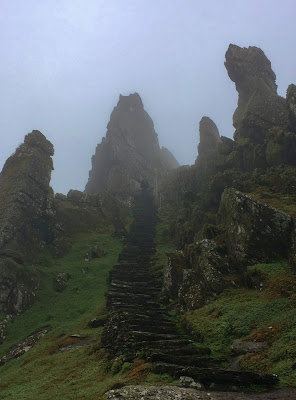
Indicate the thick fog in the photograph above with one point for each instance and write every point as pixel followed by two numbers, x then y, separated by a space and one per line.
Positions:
pixel 65 62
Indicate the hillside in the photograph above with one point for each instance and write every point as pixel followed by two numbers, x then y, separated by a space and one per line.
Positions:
pixel 158 281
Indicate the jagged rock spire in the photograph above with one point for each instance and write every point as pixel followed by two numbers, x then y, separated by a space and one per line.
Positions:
pixel 130 151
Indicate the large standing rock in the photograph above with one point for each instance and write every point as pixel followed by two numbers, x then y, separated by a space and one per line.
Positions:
pixel 255 232
pixel 258 102
pixel 26 212
pixel 264 122
pixel 26 199
pixel 130 152
pixel 209 137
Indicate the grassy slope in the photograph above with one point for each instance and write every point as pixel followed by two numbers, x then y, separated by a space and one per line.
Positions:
pixel 68 375
pixel 267 315
pixel 84 373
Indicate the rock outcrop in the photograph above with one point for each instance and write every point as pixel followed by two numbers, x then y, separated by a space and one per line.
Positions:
pixel 195 274
pixel 265 122
pixel 250 232
pixel 26 210
pixel 258 102
pixel 83 212
pixel 176 393
pixel 130 152
pixel 255 232
pixel 26 199
pixel 209 137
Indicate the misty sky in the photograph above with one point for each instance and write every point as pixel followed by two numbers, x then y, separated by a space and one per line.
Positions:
pixel 65 62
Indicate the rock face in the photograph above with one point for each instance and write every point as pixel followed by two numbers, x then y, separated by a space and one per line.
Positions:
pixel 255 232
pixel 26 209
pixel 130 152
pixel 195 274
pixel 250 232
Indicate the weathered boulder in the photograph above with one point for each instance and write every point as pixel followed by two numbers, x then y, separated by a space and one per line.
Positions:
pixel 255 232
pixel 195 275
pixel 130 152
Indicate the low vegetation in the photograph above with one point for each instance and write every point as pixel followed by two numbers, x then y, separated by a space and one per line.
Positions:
pixel 83 373
pixel 266 314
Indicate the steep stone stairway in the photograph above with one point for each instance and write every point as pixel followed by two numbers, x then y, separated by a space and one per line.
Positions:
pixel 138 327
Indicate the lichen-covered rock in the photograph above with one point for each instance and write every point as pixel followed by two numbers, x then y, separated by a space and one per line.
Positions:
pixel 255 232
pixel 195 275
pixel 130 151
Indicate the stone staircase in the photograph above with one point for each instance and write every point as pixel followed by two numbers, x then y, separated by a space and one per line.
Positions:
pixel 138 327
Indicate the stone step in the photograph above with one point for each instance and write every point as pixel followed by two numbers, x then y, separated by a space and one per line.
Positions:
pixel 181 351
pixel 158 344
pixel 157 286
pixel 214 375
pixel 133 289
pixel 189 360
pixel 141 336
pixel 118 306
pixel 153 328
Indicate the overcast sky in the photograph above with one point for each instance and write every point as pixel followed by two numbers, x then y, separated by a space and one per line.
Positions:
pixel 65 62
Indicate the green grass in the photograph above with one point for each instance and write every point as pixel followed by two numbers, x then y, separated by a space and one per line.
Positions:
pixel 85 373
pixel 71 374
pixel 268 315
